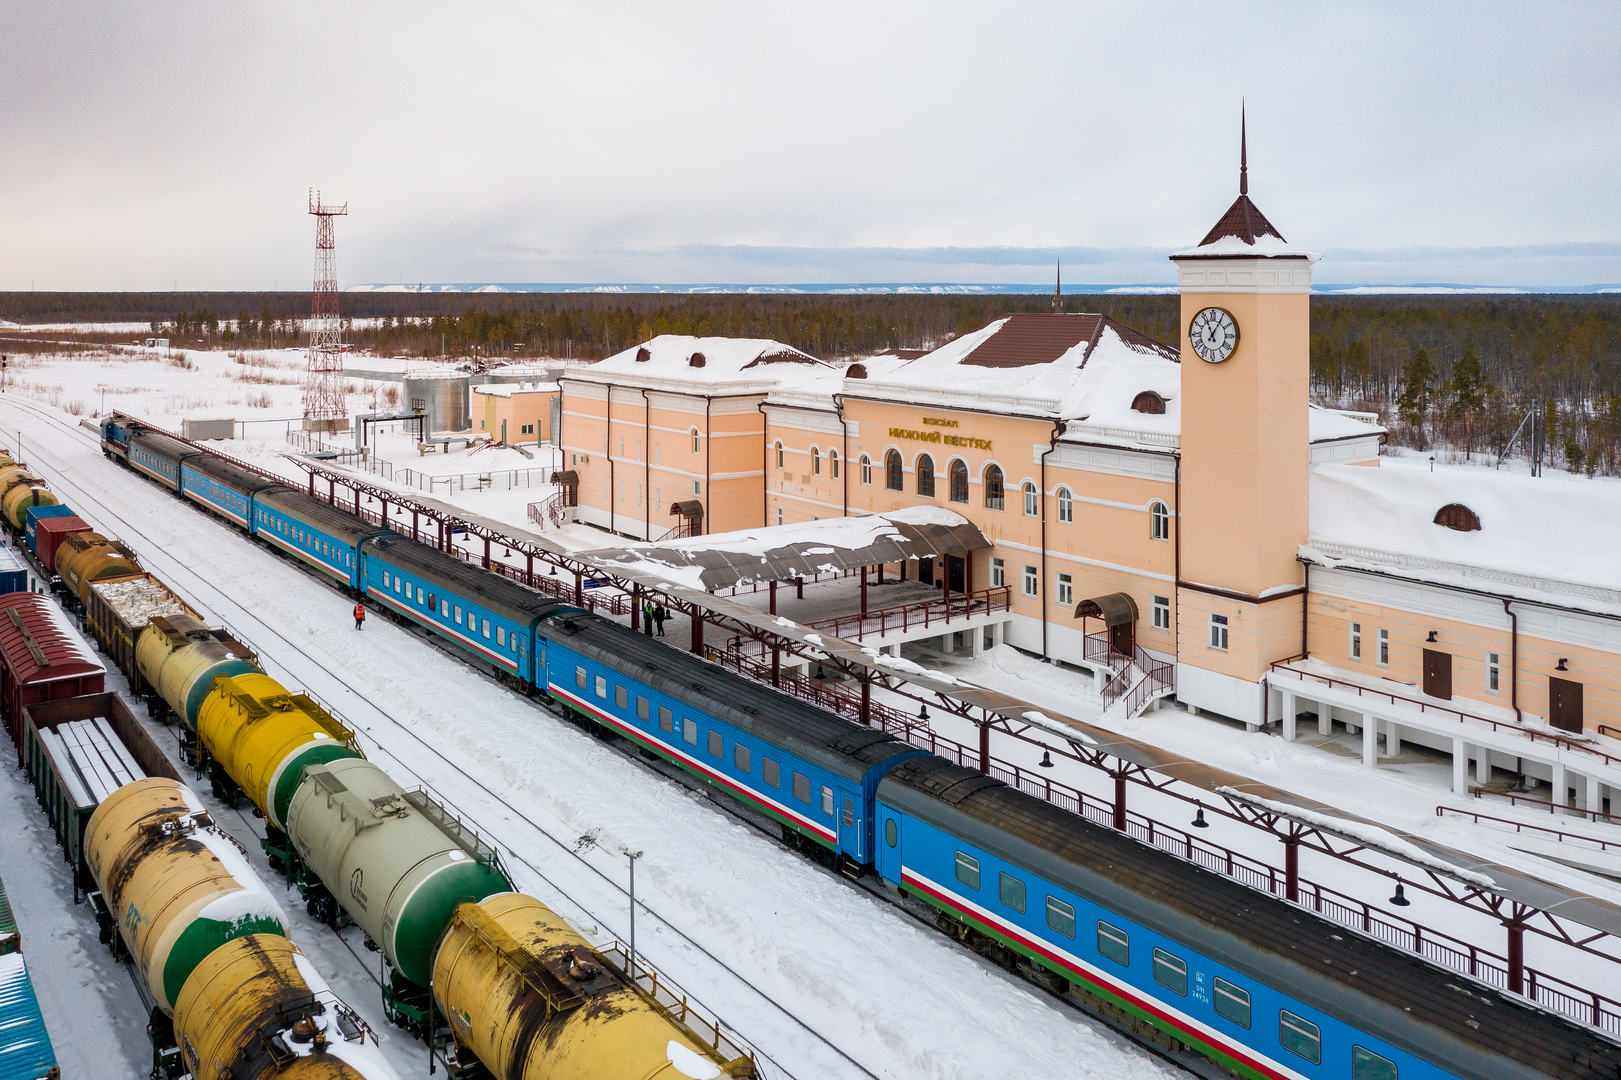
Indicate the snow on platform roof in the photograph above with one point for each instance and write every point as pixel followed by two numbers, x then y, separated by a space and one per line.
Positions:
pixel 804 549
pixel 1332 425
pixel 506 390
pixel 704 364
pixel 1550 539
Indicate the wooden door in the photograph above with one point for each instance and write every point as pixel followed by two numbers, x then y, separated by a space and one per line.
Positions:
pixel 925 571
pixel 1123 637
pixel 1564 704
pixel 956 578
pixel 1438 674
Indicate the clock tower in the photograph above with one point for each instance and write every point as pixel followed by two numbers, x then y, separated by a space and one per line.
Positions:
pixel 1246 342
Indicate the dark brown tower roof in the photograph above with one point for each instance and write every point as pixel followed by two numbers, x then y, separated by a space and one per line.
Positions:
pixel 1026 340
pixel 1244 220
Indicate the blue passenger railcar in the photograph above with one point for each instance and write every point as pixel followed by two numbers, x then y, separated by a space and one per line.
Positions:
pixel 159 457
pixel 226 489
pixel 815 774
pixel 311 531
pixel 492 618
pixel 1259 985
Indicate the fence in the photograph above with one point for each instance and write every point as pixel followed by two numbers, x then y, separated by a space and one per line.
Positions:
pixel 904 617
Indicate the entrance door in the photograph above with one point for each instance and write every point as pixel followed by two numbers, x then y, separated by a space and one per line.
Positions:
pixel 925 571
pixel 1564 704
pixel 955 578
pixel 1123 637
pixel 1438 674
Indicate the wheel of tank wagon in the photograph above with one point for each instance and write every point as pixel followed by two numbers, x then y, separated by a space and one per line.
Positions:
pixel 276 865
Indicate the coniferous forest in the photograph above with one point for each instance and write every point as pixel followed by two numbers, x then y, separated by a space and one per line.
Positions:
pixel 1454 375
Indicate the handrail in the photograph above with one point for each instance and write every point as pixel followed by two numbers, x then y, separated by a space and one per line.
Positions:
pixel 1533 734
pixel 939 609
pixel 1519 826
pixel 1514 799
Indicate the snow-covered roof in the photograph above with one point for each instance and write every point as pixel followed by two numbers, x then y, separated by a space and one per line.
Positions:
pixel 1330 425
pixel 1547 538
pixel 1244 232
pixel 705 365
pixel 506 390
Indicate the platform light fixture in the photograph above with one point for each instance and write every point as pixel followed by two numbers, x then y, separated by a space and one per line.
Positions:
pixel 1400 899
pixel 1198 819
pixel 1431 638
pixel 1046 759
pixel 1561 665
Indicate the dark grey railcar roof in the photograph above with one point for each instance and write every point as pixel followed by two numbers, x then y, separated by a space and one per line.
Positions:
pixel 1476 1031
pixel 233 475
pixel 846 749
pixel 173 449
pixel 333 520
pixel 506 598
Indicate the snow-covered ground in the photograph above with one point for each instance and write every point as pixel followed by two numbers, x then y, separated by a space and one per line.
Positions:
pixel 807 967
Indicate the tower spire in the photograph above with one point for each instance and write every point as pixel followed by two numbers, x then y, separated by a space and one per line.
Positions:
pixel 1058 289
pixel 1243 152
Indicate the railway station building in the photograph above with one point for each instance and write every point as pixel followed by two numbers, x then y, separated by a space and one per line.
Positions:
pixel 1178 518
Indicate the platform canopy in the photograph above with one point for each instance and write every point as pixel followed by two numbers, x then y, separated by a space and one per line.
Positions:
pixel 784 552
pixel 1115 609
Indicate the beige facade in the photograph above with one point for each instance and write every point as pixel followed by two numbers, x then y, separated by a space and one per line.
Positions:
pixel 515 412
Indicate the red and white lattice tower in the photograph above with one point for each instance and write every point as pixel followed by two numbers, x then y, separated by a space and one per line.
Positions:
pixel 324 404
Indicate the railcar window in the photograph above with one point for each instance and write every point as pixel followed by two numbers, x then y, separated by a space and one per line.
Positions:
pixel 1171 972
pixel 399 584
pixel 1061 917
pixel 501 636
pixel 579 677
pixel 801 788
pixel 385 579
pixel 433 602
pixel 1366 1065
pixel 740 757
pixel 1114 943
pixel 1233 1003
pixel 716 744
pixel 771 773
pixel 827 801
pixel 689 731
pixel 458 615
pixel 641 707
pixel 1011 890
pixel 891 833
pixel 664 718
pixel 968 870
pixel 621 697
pixel 444 609
pixel 1300 1037
pixel 485 628
pixel 421 596
pixel 602 688
pixel 849 811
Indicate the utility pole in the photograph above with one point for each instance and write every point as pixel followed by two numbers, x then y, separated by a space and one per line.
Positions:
pixel 632 856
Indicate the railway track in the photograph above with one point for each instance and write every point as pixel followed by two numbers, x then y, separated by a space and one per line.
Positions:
pixel 225 609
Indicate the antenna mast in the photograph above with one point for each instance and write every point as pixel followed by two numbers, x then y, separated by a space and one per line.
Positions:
pixel 324 404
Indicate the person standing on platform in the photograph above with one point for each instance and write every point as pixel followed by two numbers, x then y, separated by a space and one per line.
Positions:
pixel 360 615
pixel 659 615
pixel 647 618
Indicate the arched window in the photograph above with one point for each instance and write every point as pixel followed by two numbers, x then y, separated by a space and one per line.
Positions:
pixel 1066 506
pixel 892 470
pixel 779 453
pixel 1032 505
pixel 1459 517
pixel 833 463
pixel 925 476
pixel 816 462
pixel 959 481
pixel 1149 402
pixel 694 440
pixel 1159 521
pixel 994 497
pixel 866 469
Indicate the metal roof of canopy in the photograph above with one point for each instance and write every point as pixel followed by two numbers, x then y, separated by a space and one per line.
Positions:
pixel 783 552
pixel 1116 609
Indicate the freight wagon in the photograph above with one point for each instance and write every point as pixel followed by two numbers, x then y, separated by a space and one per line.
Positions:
pixel 42 658
pixel 46 537
pixel 25 1051
pixel 117 609
pixel 86 557
pixel 35 515
pixel 11 940
pixel 13 571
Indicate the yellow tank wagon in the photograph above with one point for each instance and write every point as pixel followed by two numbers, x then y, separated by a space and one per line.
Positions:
pixel 533 1001
pixel 263 737
pixel 87 557
pixel 257 1008
pixel 180 657
pixel 19 490
pixel 177 886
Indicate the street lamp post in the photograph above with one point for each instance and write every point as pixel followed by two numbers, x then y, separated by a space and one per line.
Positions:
pixel 632 856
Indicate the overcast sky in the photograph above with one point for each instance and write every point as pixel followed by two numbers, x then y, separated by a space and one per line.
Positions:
pixel 155 145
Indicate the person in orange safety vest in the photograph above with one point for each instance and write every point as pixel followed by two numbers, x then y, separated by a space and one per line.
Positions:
pixel 360 615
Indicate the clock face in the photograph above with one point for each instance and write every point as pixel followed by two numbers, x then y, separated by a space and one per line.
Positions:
pixel 1214 334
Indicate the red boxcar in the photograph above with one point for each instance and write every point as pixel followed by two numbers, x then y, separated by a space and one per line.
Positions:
pixel 42 658
pixel 48 534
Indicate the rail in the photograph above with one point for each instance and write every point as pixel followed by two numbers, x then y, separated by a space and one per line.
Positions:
pixel 905 617
pixel 1535 735
pixel 1520 826
pixel 1515 799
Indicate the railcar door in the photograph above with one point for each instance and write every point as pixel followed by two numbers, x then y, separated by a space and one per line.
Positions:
pixel 850 824
pixel 888 855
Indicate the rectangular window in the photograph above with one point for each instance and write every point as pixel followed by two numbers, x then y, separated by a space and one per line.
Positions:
pixel 1300 1037
pixel 1218 631
pixel 1032 581
pixel 827 801
pixel 697 488
pixel 740 757
pixel 1060 917
pixel 398 583
pixel 769 769
pixel 501 636
pixel 641 707
pixel 602 688
pixel 1064 588
pixel 1356 641
pixel 579 677
pixel 385 579
pixel 1162 613
pixel 422 596
pixel 998 573
pixel 444 609
pixel 802 789
pixel 1011 891
pixel 1171 972
pixel 1384 648
pixel 689 731
pixel 968 870
pixel 1113 943
pixel 849 811
pixel 1366 1065
pixel 779 515
pixel 664 719
pixel 621 697
pixel 458 615
pixel 1233 1003
pixel 484 629
pixel 1493 672
pixel 717 745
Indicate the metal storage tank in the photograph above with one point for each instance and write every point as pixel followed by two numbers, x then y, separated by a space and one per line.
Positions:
pixel 447 399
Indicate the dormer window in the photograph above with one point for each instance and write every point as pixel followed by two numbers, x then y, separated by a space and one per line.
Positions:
pixel 1149 402
pixel 1458 517
pixel 643 355
pixel 696 360
pixel 856 371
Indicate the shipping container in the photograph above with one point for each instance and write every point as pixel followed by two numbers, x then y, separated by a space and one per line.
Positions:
pixel 13 572
pixel 48 535
pixel 42 658
pixel 35 514
pixel 117 609
pixel 25 1052
pixel 78 751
